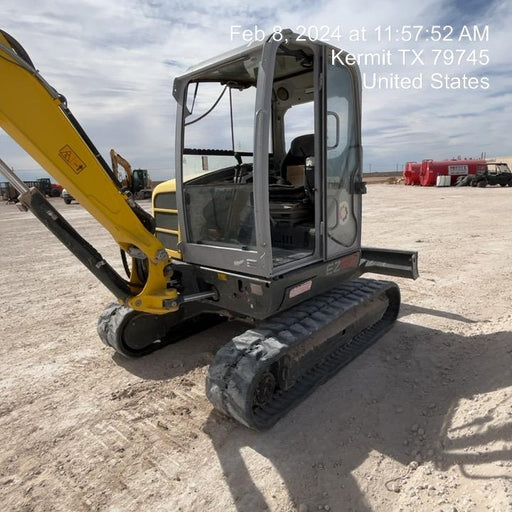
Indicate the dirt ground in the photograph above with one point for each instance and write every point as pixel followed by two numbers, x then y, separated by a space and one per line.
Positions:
pixel 422 421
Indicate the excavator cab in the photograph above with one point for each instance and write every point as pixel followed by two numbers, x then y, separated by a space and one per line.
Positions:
pixel 268 158
pixel 140 179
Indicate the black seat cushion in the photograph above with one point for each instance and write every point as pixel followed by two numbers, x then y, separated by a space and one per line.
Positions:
pixel 300 148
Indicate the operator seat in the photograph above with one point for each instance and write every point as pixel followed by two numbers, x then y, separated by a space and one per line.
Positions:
pixel 292 212
pixel 300 148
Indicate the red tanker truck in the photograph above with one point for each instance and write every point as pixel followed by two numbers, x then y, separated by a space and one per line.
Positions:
pixel 431 169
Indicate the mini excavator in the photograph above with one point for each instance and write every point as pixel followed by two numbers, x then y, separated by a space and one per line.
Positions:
pixel 137 181
pixel 261 223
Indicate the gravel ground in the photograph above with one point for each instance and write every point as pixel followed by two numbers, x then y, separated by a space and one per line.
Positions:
pixel 419 422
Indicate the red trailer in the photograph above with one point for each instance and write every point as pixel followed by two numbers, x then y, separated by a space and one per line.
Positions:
pixel 412 173
pixel 431 169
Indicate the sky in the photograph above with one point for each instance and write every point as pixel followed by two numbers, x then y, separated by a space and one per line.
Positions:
pixel 115 63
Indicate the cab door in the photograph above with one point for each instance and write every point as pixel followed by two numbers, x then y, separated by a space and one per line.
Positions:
pixel 342 156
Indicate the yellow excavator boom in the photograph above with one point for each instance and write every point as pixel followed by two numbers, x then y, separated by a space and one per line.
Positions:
pixel 36 116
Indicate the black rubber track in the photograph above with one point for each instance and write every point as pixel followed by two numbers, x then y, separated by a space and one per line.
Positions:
pixel 368 308
pixel 134 334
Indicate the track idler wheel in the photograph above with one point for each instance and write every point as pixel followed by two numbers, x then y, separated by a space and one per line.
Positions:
pixel 135 334
pixel 130 332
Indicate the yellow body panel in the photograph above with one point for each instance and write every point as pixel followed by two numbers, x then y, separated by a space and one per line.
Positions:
pixel 167 187
pixel 32 113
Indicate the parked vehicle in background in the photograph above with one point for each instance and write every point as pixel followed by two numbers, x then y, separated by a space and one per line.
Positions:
pixel 8 192
pixel 496 173
pixel 137 181
pixel 44 185
pixel 66 196
pixel 56 190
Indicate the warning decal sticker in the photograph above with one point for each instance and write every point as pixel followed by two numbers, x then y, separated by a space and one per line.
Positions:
pixel 72 159
pixel 343 212
pixel 301 288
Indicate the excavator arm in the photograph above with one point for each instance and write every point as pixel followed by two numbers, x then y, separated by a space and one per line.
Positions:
pixel 37 117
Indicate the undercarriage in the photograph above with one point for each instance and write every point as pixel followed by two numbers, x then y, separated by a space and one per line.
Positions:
pixel 258 376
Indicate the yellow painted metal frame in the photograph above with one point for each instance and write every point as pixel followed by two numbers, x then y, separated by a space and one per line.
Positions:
pixel 31 113
pixel 163 188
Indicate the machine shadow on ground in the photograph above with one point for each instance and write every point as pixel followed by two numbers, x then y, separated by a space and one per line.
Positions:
pixel 414 375
pixel 409 309
pixel 363 412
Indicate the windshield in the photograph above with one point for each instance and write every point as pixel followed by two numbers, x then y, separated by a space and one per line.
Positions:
pixel 217 162
pixel 219 127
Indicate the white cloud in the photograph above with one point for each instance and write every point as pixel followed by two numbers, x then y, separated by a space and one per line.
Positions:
pixel 115 63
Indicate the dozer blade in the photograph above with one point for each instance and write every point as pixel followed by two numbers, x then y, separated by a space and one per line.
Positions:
pixel 263 373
